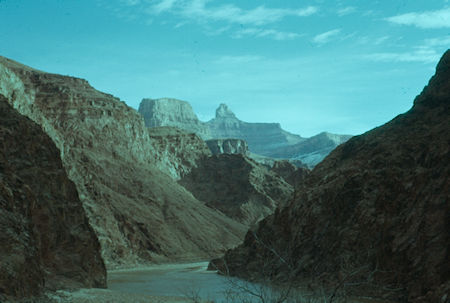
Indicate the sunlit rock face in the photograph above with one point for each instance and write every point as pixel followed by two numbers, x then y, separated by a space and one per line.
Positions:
pixel 172 112
pixel 46 240
pixel 238 186
pixel 260 137
pixel 312 150
pixel 374 214
pixel 227 146
pixel 177 151
pixel 139 213
pixel 265 139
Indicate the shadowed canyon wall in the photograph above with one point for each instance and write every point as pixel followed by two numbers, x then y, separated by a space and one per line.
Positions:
pixel 46 240
pixel 374 214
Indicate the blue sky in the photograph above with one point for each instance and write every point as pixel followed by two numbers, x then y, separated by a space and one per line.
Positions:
pixel 317 65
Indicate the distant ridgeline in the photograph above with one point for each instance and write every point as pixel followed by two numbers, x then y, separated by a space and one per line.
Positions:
pixel 266 139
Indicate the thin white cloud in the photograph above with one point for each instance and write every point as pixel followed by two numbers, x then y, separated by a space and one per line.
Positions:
pixel 441 41
pixel 381 40
pixel 346 11
pixel 199 10
pixel 420 55
pixel 163 6
pixel 326 37
pixel 271 33
pixel 426 19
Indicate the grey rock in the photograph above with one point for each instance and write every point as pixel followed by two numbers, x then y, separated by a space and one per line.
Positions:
pixel 266 141
pixel 172 112
pixel 227 146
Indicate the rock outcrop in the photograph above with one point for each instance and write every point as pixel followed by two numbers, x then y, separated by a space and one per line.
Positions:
pixel 263 139
pixel 312 150
pixel 46 240
pixel 172 112
pixel 237 186
pixel 177 151
pixel 290 173
pixel 374 214
pixel 260 137
pixel 138 212
pixel 227 146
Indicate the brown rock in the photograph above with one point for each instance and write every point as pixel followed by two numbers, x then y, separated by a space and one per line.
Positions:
pixel 290 173
pixel 375 213
pixel 139 213
pixel 46 241
pixel 237 186
pixel 177 151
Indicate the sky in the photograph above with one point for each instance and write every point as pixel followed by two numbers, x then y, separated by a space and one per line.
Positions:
pixel 341 66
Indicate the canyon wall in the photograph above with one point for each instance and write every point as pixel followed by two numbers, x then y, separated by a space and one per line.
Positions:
pixel 46 240
pixel 138 212
pixel 372 218
pixel 238 186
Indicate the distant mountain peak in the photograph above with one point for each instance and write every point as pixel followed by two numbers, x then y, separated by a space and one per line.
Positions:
pixel 224 112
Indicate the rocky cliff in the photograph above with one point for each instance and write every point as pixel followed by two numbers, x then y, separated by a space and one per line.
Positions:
pixel 264 139
pixel 172 112
pixel 46 240
pixel 139 213
pixel 237 186
pixel 261 137
pixel 177 151
pixel 373 217
pixel 312 150
pixel 227 146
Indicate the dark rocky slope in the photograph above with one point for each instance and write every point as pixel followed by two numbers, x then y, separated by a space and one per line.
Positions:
pixel 290 173
pixel 138 212
pixel 238 186
pixel 46 240
pixel 374 214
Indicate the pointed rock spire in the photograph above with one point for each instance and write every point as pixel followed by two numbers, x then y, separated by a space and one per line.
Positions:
pixel 224 112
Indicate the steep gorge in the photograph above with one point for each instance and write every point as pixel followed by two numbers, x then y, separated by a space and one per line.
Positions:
pixel 139 213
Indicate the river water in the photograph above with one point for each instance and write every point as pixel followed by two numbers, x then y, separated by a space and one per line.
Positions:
pixel 180 280
pixel 189 280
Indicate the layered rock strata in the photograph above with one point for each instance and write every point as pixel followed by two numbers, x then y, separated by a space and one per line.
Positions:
pixel 237 186
pixel 139 213
pixel 310 151
pixel 373 217
pixel 46 240
pixel 177 151
pixel 227 146
pixel 263 139
pixel 172 112
pixel 260 137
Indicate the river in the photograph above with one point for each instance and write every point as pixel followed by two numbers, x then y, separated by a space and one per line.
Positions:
pixel 180 280
pixel 191 281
